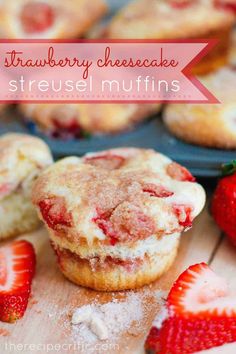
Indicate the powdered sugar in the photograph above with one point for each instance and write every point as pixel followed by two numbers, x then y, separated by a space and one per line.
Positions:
pixel 117 315
pixel 126 314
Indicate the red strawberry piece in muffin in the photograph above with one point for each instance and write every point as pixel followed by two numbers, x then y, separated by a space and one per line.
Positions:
pixel 179 172
pixel 37 16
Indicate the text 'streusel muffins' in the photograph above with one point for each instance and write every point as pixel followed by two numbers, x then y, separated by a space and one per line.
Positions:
pixel 210 125
pixel 115 217
pixel 22 159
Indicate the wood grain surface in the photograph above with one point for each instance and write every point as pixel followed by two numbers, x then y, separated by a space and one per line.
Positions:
pixel 46 326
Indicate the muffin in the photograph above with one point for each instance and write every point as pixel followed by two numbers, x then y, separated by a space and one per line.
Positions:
pixel 232 54
pixel 177 19
pixel 115 217
pixel 210 125
pixel 77 120
pixel 48 19
pixel 22 159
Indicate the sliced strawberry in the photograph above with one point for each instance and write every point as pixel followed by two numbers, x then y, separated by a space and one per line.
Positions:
pixel 201 314
pixel 36 17
pixel 181 336
pixel 195 289
pixel 156 190
pixel 108 161
pixel 17 267
pixel 54 212
pixel 183 213
pixel 181 4
pixel 179 173
pixel 229 5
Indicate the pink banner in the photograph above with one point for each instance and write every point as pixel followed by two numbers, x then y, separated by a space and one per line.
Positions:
pixel 102 71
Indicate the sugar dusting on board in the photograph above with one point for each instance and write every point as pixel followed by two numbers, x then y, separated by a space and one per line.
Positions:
pixel 96 322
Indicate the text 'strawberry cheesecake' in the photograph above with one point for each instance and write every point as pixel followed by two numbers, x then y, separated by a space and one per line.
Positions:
pixel 115 217
pixel 199 314
pixel 22 159
pixel 211 125
pixel 177 19
pixel 49 19
pixel 76 120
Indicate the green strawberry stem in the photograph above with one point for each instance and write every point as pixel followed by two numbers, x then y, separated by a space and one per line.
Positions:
pixel 229 168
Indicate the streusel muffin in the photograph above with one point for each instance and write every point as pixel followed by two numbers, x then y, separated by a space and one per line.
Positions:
pixel 211 125
pixel 49 19
pixel 115 217
pixel 75 120
pixel 22 159
pixel 177 19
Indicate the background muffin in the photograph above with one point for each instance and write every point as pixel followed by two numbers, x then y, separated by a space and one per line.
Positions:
pixel 177 19
pixel 115 217
pixel 22 159
pixel 75 120
pixel 211 125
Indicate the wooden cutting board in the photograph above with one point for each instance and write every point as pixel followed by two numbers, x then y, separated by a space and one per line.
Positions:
pixel 47 319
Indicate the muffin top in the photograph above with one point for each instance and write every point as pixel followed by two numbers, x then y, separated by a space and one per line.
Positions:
pixel 222 85
pixel 117 196
pixel 147 19
pixel 21 156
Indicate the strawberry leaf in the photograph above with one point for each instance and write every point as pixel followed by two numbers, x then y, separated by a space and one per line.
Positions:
pixel 229 168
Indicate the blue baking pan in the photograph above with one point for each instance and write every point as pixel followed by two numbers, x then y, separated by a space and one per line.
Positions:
pixel 202 162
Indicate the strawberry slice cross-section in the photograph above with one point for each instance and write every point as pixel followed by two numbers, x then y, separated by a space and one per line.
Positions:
pixel 17 267
pixel 201 314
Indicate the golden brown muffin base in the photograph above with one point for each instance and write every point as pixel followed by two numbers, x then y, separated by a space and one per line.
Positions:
pixel 114 278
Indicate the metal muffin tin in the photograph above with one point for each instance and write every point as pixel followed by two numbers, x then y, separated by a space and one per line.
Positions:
pixel 202 162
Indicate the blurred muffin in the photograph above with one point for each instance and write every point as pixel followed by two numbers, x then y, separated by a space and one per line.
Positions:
pixel 211 125
pixel 232 54
pixel 115 217
pixel 77 120
pixel 177 19
pixel 3 107
pixel 22 159
pixel 48 19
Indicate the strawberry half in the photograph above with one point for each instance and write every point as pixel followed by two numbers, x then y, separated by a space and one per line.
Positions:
pixel 201 314
pixel 223 205
pixel 17 267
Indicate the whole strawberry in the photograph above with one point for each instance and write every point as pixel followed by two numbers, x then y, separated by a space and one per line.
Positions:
pixel 224 202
